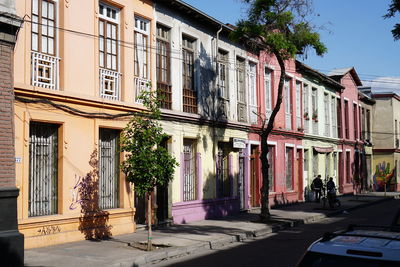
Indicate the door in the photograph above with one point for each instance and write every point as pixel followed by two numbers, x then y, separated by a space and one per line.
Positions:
pixel 299 175
pixel 162 195
pixel 254 190
pixel 241 181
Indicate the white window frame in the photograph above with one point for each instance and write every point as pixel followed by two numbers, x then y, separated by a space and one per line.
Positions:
pixel 142 56
pixel 288 103
pixel 268 90
pixel 298 104
pixel 252 82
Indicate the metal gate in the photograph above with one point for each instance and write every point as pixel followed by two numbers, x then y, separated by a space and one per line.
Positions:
pixel 189 176
pixel 109 169
pixel 43 165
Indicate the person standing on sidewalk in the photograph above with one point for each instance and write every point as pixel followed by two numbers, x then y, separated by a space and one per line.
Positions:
pixel 317 187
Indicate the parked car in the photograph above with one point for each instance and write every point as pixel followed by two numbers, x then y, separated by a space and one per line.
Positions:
pixel 366 246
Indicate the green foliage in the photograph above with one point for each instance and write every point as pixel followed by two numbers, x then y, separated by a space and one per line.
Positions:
pixel 147 163
pixel 279 25
pixel 394 7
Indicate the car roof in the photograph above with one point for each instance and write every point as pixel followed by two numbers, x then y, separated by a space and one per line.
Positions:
pixel 372 244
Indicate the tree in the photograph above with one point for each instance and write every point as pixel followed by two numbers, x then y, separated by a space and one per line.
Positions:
pixel 280 28
pixel 394 7
pixel 147 164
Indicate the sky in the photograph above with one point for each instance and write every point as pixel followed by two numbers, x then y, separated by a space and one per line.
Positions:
pixel 354 31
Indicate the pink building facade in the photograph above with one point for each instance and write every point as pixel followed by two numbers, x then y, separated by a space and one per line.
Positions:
pixel 285 142
pixel 349 129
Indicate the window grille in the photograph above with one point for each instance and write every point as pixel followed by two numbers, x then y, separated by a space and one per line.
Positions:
pixel 189 167
pixel 289 168
pixel 241 90
pixel 43 169
pixel 189 94
pixel 141 85
pixel 45 71
pixel 109 161
pixel 224 186
pixel 109 84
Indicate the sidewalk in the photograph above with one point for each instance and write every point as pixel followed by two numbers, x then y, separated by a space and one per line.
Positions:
pixel 181 240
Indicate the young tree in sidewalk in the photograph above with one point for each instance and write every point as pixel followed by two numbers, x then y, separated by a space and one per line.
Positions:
pixel 147 164
pixel 394 7
pixel 278 27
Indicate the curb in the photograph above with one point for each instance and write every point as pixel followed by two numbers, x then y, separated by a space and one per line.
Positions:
pixel 176 252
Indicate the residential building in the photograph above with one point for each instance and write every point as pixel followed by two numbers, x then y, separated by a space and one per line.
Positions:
pixel 285 155
pixel 366 153
pixel 321 140
pixel 386 145
pixel 348 130
pixel 206 107
pixel 79 67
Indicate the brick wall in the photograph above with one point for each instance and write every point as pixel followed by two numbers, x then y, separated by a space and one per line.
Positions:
pixel 7 154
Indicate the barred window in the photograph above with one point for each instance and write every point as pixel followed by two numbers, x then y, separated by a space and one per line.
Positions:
pixel 109 161
pixel 271 169
pixel 43 169
pixel 289 168
pixel 223 179
pixel 189 170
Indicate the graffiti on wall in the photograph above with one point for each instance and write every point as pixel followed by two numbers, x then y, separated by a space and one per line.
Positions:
pixel 49 229
pixel 384 176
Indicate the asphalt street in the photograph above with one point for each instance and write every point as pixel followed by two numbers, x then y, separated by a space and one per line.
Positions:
pixel 286 247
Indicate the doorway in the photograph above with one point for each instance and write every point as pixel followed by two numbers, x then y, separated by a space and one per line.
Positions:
pixel 254 183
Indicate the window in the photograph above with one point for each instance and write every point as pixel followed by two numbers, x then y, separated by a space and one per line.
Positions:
pixel 306 110
pixel 363 130
pixel 222 82
pixel 268 91
pixel 368 124
pixel 288 104
pixel 164 90
pixel 189 93
pixel 346 119
pixel 108 51
pixel 222 74
pixel 109 161
pixel 241 89
pixel 298 105
pixel 223 166
pixel 314 109
pixel 355 121
pixel 334 116
pixel 339 118
pixel 327 115
pixel 252 79
pixel 271 169
pixel 43 169
pixel 141 60
pixel 45 64
pixel 108 37
pixel 348 167
pixel 289 168
pixel 335 164
pixel 189 170
pixel 43 22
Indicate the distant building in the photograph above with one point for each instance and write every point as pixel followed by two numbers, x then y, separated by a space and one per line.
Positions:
pixel 386 144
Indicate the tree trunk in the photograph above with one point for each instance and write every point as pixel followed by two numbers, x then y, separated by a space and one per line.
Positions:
pixel 265 131
pixel 149 232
